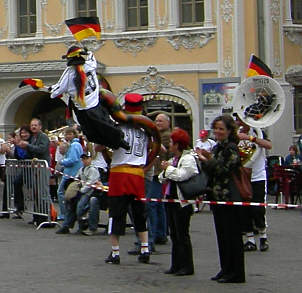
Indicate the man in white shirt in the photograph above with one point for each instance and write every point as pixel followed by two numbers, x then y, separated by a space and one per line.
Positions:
pixel 204 142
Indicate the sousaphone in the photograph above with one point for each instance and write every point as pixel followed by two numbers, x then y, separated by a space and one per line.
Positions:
pixel 259 102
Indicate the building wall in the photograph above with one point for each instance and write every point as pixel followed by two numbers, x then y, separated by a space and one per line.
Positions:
pixel 181 56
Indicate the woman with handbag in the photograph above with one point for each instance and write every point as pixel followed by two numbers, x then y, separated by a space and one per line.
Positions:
pixel 220 166
pixel 179 168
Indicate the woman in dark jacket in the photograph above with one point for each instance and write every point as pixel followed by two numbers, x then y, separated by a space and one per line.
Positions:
pixel 220 166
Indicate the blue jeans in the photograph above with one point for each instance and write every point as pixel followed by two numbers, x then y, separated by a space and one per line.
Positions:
pixel 61 197
pixel 77 207
pixel 156 211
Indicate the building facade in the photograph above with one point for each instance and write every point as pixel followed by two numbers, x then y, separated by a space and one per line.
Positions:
pixel 176 53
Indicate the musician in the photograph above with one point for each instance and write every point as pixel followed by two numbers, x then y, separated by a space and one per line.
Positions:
pixel 80 82
pixel 255 216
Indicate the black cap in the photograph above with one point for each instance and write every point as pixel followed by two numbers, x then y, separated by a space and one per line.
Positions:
pixel 85 155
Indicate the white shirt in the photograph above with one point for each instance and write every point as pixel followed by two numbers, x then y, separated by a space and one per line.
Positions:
pixel 137 155
pixel 2 156
pixel 66 84
pixel 207 145
pixel 99 161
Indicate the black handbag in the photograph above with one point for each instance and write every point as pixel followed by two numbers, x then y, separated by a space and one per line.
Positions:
pixel 195 185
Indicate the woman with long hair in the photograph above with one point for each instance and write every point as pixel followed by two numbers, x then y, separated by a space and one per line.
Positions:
pixel 220 166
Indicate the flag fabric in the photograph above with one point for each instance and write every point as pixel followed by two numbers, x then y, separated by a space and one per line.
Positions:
pixel 34 82
pixel 258 67
pixel 84 27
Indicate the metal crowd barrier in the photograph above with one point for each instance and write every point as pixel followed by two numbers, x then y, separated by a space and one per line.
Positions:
pixel 33 175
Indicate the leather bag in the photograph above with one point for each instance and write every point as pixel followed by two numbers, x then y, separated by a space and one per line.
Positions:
pixel 195 185
pixel 243 183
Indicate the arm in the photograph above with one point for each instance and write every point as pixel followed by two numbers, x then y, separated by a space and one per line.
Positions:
pixel 62 85
pixel 263 143
pixel 73 155
pixel 41 147
pixel 91 178
pixel 186 168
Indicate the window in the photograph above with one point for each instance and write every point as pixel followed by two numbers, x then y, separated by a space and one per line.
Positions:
pixel 26 18
pixel 296 10
pixel 137 14
pixel 179 116
pixel 86 8
pixel 191 12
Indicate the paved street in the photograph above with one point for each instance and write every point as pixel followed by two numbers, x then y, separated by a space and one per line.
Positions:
pixel 41 261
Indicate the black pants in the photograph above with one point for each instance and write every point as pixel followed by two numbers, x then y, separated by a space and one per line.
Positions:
pixel 256 215
pixel 179 224
pixel 19 196
pixel 98 127
pixel 229 238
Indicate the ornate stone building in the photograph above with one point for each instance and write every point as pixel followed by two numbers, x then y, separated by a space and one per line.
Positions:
pixel 170 51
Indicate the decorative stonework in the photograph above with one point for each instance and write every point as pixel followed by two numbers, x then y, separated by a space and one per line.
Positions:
pixel 190 40
pixel 153 83
pixel 91 45
pixel 227 9
pixel 24 49
pixel 228 67
pixel 54 29
pixel 275 10
pixel 2 31
pixel 134 44
pixel 294 36
pixel 277 65
pixel 294 75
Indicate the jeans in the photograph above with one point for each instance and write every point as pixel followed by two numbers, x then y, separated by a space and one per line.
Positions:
pixel 61 199
pixel 156 211
pixel 77 207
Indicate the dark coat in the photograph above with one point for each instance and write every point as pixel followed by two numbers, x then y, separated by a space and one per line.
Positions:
pixel 38 147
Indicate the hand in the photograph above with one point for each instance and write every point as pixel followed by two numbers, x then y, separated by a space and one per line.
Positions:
pixel 165 165
pixel 23 144
pixel 243 136
pixel 201 155
pixel 206 154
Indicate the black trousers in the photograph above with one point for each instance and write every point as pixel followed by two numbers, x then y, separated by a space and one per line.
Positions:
pixel 179 224
pixel 229 239
pixel 99 127
pixel 256 215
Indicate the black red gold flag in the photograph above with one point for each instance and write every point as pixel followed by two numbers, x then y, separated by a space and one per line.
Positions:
pixel 258 67
pixel 34 82
pixel 84 27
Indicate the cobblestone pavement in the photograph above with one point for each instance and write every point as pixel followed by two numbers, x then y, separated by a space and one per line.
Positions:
pixel 41 261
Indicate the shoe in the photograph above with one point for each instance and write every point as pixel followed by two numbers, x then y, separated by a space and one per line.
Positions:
pixel 231 280
pixel 4 216
pixel 161 241
pixel 32 222
pixel 63 230
pixel 89 232
pixel 78 232
pixel 263 244
pixel 17 216
pixel 135 251
pixel 170 271
pixel 218 276
pixel 184 273
pixel 249 246
pixel 152 248
pixel 144 257
pixel 113 259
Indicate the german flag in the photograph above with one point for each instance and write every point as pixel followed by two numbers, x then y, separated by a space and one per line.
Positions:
pixel 257 67
pixel 33 82
pixel 84 27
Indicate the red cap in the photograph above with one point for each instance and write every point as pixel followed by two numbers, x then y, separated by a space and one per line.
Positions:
pixel 133 103
pixel 203 133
